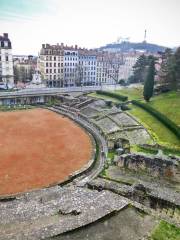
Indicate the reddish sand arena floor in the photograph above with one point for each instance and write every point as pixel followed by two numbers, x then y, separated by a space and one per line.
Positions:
pixel 38 148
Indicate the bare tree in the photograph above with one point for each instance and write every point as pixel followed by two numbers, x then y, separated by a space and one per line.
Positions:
pixel 111 63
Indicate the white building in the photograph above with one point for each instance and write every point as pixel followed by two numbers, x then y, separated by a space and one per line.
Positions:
pixel 87 67
pixel 6 61
pixel 71 60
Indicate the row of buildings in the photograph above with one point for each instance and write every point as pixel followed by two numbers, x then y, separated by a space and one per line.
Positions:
pixel 65 66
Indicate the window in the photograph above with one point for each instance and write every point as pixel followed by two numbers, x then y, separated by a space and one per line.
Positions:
pixel 0 58
pixel 61 64
pixel 50 70
pixel 54 58
pixel 50 64
pixel 54 64
pixel 46 70
pixel 54 70
pixel 6 44
pixel 7 58
pixel 58 64
pixel 46 64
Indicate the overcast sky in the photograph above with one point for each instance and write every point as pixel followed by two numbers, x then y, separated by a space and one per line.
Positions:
pixel 88 23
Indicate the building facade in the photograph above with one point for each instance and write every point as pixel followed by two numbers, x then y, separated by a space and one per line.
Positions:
pixel 126 69
pixel 64 66
pixel 6 61
pixel 24 68
pixel 51 65
pixel 87 67
pixel 71 59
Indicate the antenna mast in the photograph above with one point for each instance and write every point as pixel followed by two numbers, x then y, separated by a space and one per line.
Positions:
pixel 145 35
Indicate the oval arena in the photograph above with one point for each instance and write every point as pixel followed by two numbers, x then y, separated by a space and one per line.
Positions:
pixel 39 148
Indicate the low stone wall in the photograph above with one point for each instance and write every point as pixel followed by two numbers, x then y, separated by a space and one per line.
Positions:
pixel 151 198
pixel 153 165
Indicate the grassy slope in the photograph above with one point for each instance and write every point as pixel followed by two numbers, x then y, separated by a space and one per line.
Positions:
pixel 165 231
pixel 132 93
pixel 167 103
pixel 156 128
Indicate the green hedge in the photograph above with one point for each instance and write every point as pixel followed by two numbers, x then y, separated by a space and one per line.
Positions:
pixel 161 117
pixel 113 95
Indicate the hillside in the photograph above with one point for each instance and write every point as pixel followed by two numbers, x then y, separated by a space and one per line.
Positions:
pixel 128 46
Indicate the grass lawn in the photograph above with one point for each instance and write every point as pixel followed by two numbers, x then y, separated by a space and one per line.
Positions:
pixel 161 134
pixel 168 104
pixel 132 93
pixel 165 231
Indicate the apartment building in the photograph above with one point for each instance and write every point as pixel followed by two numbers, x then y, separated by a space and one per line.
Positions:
pixel 64 66
pixel 24 68
pixel 51 65
pixel 108 65
pixel 126 69
pixel 87 67
pixel 6 61
pixel 71 60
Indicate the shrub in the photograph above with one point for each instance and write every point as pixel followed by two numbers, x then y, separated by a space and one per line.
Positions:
pixel 161 117
pixel 113 95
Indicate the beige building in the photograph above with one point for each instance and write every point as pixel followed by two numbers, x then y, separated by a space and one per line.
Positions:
pixel 126 70
pixel 51 64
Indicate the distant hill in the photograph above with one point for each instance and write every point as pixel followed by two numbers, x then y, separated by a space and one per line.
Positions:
pixel 130 46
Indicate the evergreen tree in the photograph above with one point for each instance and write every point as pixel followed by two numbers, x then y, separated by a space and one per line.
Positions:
pixel 170 70
pixel 177 67
pixel 149 82
pixel 140 69
pixel 171 75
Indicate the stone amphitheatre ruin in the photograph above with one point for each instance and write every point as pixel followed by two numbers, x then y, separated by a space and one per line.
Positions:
pixel 120 198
